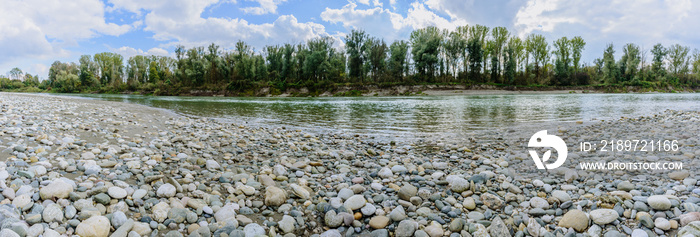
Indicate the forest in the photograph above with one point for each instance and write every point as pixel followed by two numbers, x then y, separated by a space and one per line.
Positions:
pixel 469 55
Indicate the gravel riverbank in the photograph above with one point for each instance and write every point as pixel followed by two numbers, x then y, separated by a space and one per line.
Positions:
pixel 98 168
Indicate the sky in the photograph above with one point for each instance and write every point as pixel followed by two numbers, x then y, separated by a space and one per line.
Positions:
pixel 35 33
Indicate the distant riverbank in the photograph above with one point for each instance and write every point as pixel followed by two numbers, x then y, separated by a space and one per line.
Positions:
pixel 417 90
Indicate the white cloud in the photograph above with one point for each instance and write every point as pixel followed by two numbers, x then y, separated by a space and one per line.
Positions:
pixel 40 30
pixel 641 22
pixel 158 52
pixel 533 17
pixel 490 13
pixel 365 2
pixel 39 69
pixel 384 23
pixel 67 20
pixel 128 52
pixel 266 7
pixel 183 24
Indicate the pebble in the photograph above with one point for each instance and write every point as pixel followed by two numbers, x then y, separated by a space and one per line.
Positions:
pixel 166 191
pixel 639 233
pixel 662 223
pixel 286 224
pixel 659 202
pixel 117 192
pixel 355 202
pixel 603 216
pixel 407 191
pixel 691 229
pixel 56 189
pixel 96 226
pixel 275 196
pixel 201 178
pixel 434 229
pixel 253 229
pixel 561 196
pixel 379 222
pixel 575 219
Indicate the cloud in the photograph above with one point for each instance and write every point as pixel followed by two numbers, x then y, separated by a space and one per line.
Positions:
pixel 384 23
pixel 266 7
pixel 182 23
pixel 489 13
pixel 641 22
pixel 41 30
pixel 128 52
pixel 67 21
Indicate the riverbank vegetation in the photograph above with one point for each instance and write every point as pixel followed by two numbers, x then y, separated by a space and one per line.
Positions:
pixel 469 55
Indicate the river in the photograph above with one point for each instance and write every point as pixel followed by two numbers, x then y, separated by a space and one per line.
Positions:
pixel 454 114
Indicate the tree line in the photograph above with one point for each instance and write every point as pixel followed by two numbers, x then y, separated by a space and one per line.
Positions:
pixel 468 55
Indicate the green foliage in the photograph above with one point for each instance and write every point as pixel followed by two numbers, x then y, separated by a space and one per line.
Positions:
pixel 475 58
pixel 610 68
pixel 355 47
pixel 562 67
pixel 431 56
pixel 425 45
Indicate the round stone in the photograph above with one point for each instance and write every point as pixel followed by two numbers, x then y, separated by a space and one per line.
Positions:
pixel 117 192
pixel 355 202
pixel 575 219
pixel 604 216
pixel 379 222
pixel 659 202
pixel 166 190
pixel 96 226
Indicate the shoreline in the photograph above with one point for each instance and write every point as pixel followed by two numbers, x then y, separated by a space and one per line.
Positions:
pixel 405 90
pixel 78 165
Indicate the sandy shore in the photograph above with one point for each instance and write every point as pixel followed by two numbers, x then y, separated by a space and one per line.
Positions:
pixel 85 167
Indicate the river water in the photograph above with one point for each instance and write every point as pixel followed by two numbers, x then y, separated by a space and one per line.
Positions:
pixel 453 114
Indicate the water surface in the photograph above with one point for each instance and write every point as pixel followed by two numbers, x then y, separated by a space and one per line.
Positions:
pixel 453 114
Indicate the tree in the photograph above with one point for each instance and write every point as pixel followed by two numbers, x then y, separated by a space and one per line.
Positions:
pixel 288 62
pixel 500 37
pixel 67 82
pixel 696 63
pixel 630 61
pixel 377 58
pixel 111 67
pixel 30 80
pixel 659 53
pixel 16 74
pixel 463 31
pixel 577 46
pixel 316 64
pixel 355 48
pixel 398 64
pixel 562 50
pixel 273 56
pixel 215 64
pixel 425 49
pixel 455 45
pixel 510 56
pixel 518 47
pixel 678 59
pixel 475 56
pixel 610 69
pixel 479 33
pixel 539 49
pixel 153 73
pixel 195 67
pixel 87 71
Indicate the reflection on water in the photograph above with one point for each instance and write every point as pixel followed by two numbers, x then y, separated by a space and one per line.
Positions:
pixel 425 114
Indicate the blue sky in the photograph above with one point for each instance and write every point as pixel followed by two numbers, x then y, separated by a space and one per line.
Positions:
pixel 37 32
